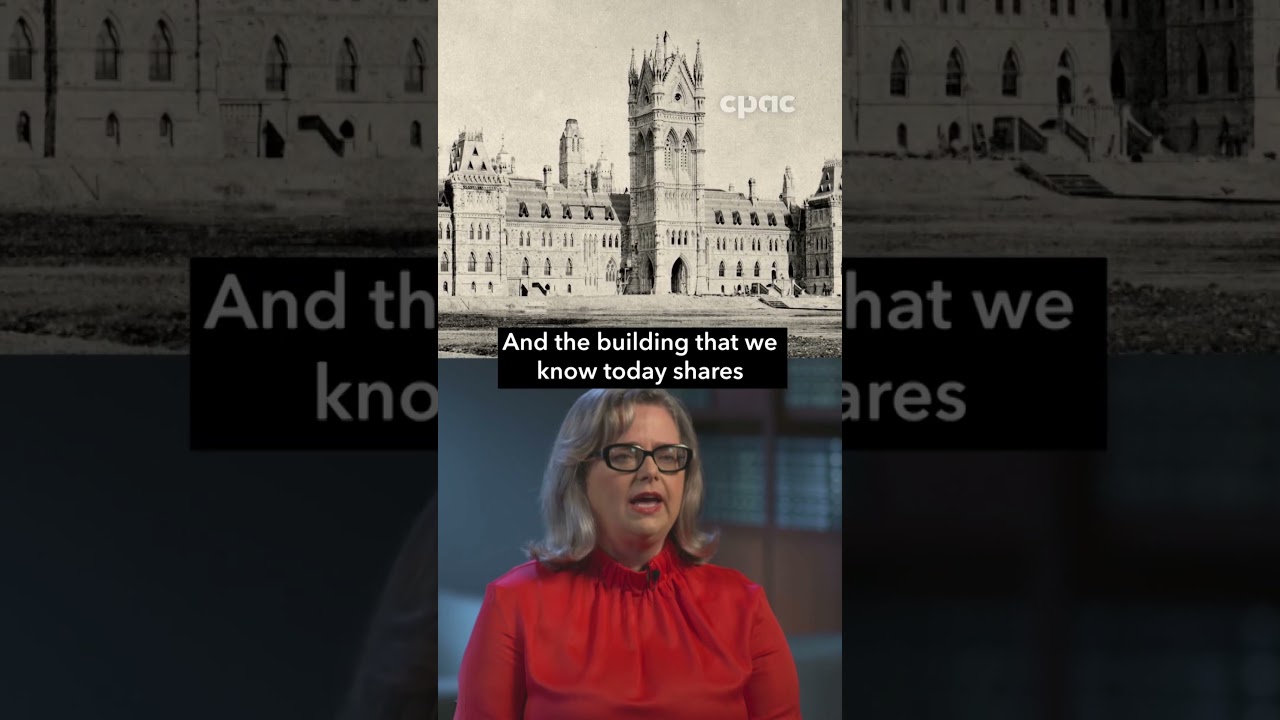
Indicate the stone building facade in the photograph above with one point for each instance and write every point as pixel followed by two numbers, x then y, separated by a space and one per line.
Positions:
pixel 1084 78
pixel 665 233
pixel 217 78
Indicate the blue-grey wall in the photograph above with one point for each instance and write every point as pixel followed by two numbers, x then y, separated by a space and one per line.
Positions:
pixel 494 445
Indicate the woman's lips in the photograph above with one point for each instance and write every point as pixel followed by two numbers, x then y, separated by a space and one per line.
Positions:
pixel 646 503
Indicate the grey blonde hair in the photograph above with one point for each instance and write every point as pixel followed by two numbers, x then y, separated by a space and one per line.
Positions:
pixel 595 420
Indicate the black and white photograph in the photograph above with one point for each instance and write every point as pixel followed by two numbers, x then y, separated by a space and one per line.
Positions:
pixel 618 165
pixel 143 134
pixel 1143 131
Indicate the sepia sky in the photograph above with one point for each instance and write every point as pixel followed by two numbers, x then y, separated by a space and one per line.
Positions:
pixel 520 69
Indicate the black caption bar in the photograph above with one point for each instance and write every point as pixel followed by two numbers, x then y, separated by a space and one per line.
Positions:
pixel 975 354
pixel 313 353
pixel 753 358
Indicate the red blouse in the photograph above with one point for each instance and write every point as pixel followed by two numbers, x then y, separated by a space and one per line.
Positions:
pixel 603 642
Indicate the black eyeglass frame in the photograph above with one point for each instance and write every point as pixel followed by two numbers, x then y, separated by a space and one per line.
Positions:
pixel 604 455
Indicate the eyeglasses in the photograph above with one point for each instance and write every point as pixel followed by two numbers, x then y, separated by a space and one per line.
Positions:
pixel 629 458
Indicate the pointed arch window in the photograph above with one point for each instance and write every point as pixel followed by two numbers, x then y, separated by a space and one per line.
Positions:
pixel 166 129
pixel 1202 73
pixel 24 128
pixel 899 71
pixel 1009 75
pixel 21 52
pixel 113 128
pixel 568 267
pixel 471 262
pixel 444 261
pixel 721 268
pixel 757 270
pixel 415 134
pixel 348 67
pixel 277 66
pixel 488 262
pixel 955 74
pixel 739 268
pixel 1118 80
pixel 160 57
pixel 524 267
pixel 1233 70
pixel 546 267
pixel 415 69
pixel 106 53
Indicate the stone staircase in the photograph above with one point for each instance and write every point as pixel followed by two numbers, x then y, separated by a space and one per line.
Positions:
pixel 774 303
pixel 1062 177
pixel 1076 184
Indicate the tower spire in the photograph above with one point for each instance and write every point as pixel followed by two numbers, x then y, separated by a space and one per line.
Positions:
pixel 697 66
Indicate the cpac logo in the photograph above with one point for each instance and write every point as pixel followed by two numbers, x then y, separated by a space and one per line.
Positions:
pixel 749 104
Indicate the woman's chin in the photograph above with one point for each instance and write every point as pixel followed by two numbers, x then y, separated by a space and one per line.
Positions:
pixel 649 526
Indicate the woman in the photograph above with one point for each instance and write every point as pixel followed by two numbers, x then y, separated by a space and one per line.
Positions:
pixel 618 615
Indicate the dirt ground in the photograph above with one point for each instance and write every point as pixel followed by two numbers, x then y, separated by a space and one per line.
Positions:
pixel 76 283
pixel 812 332
pixel 1185 277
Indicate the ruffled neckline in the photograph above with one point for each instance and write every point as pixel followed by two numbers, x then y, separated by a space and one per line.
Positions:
pixel 657 572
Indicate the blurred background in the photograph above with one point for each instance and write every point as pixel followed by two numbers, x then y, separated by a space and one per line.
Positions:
pixel 1139 583
pixel 142 581
pixel 773 473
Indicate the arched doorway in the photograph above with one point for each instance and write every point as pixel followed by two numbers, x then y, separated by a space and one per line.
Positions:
pixel 1066 81
pixel 524 290
pixel 272 141
pixel 774 273
pixel 679 277
pixel 649 277
pixel 1064 90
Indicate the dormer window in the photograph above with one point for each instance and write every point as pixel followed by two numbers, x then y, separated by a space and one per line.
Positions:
pixel 475 151
pixel 678 96
pixel 568 213
pixel 755 219
pixel 787 219
pixel 608 213
pixel 591 215
pixel 773 220
pixel 719 217
pixel 737 218
pixel 524 211
pixel 546 210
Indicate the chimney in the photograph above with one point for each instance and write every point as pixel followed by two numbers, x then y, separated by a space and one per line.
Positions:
pixel 546 179
pixel 730 187
pixel 586 181
pixel 751 191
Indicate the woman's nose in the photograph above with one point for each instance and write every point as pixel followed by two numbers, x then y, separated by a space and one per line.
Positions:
pixel 648 468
